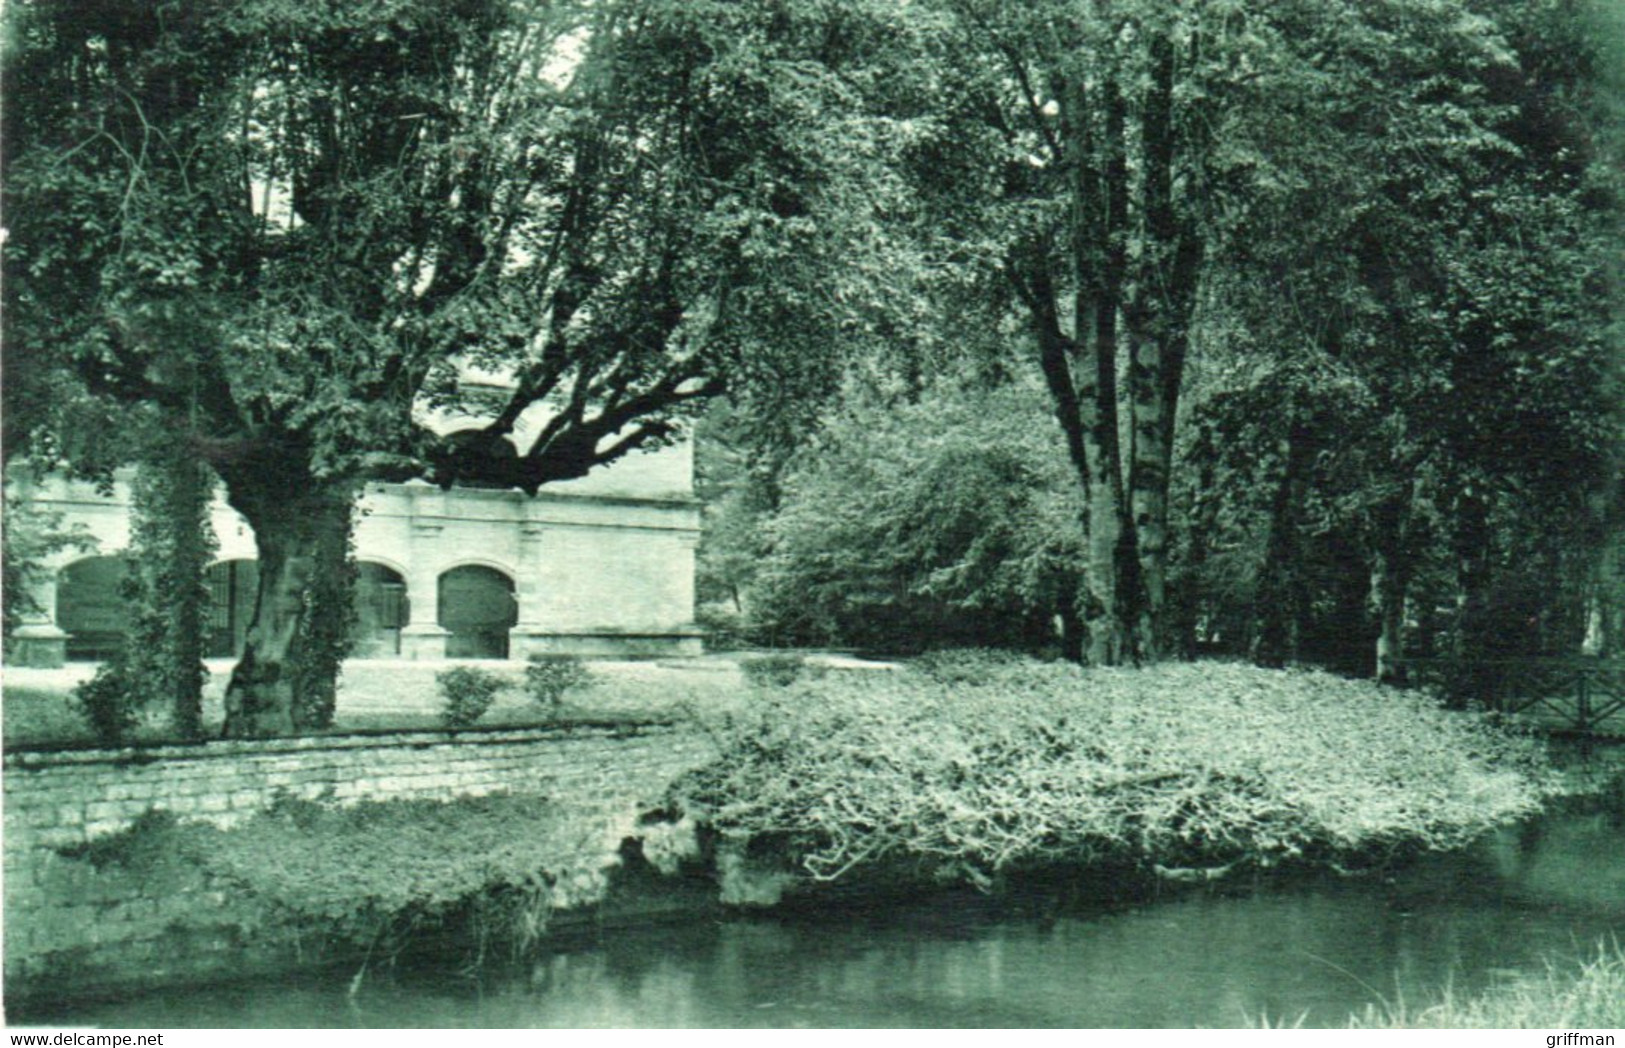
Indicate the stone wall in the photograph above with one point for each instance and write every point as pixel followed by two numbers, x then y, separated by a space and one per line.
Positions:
pixel 70 927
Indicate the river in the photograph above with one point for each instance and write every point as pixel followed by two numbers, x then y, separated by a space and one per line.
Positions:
pixel 1313 949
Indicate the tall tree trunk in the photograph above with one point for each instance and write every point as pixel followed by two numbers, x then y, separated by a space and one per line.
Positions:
pixel 285 679
pixel 1202 524
pixel 1159 316
pixel 1392 564
pixel 1281 598
pixel 187 502
pixel 1116 612
pixel 1472 549
pixel 1605 600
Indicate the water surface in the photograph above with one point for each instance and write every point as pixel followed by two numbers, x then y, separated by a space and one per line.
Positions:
pixel 1316 948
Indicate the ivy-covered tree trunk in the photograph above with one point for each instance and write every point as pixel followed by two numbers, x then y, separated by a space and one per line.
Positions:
pixel 173 544
pixel 299 633
pixel 160 665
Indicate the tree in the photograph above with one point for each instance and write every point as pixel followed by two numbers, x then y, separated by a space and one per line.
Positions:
pixel 1355 197
pixel 942 518
pixel 295 228
pixel 1432 314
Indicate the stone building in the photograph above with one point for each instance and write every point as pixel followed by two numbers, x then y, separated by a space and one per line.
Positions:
pixel 603 565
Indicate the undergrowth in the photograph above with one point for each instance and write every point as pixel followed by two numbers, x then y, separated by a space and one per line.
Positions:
pixel 976 769
pixel 368 874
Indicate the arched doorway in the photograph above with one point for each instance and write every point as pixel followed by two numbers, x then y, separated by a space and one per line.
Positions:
pixel 91 608
pixel 477 605
pixel 381 610
pixel 232 586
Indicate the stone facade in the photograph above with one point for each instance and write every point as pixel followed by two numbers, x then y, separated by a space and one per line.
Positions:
pixel 603 565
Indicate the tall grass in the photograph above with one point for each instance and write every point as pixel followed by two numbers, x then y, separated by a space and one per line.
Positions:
pixel 1562 998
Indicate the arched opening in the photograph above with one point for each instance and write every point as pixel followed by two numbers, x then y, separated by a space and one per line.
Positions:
pixel 91 608
pixel 232 586
pixel 381 611
pixel 477 605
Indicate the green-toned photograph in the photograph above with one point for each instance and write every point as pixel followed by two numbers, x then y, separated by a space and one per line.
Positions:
pixel 773 514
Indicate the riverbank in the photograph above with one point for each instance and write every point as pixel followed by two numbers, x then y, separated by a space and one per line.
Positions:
pixel 299 852
pixel 1287 944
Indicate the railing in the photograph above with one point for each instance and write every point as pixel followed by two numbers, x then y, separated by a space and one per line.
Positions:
pixel 1578 694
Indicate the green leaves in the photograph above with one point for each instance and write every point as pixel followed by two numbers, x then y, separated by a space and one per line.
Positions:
pixel 948 516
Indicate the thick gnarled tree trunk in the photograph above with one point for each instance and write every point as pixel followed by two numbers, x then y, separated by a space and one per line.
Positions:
pixel 284 681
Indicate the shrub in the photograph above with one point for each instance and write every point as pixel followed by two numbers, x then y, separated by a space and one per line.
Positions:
pixel 466 693
pixel 549 677
pixel 966 665
pixel 779 670
pixel 372 872
pixel 109 702
pixel 1182 765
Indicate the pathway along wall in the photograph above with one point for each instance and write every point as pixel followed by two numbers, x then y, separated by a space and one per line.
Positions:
pixel 72 931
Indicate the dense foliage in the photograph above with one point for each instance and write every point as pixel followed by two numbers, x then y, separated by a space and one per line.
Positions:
pixel 779 669
pixel 975 774
pixel 939 520
pixel 307 236
pixel 368 874
pixel 1324 302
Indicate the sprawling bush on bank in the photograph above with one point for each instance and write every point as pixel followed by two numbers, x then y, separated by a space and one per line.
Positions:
pixel 368 875
pixel 1180 766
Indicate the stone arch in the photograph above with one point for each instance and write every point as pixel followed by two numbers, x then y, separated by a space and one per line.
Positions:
pixel 478 606
pixel 232 588
pixel 90 606
pixel 382 609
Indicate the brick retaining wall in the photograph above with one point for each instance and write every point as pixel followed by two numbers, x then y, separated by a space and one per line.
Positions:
pixel 68 925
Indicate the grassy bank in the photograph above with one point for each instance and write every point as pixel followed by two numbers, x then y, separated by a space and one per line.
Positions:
pixel 971 769
pixel 1590 998
pixel 393 693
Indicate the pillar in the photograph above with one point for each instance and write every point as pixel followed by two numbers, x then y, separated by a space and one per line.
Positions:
pixel 38 640
pixel 529 592
pixel 423 638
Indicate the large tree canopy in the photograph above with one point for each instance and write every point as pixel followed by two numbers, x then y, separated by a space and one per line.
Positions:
pixel 296 227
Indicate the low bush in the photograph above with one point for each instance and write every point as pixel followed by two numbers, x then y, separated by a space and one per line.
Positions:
pixel 368 874
pixel 109 703
pixel 548 678
pixel 967 665
pixel 779 669
pixel 466 693
pixel 1187 765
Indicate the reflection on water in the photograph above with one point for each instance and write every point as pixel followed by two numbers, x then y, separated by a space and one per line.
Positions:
pixel 1320 949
